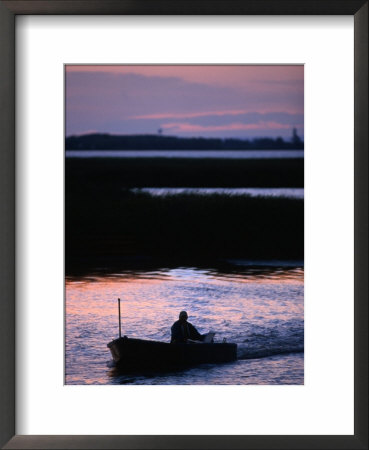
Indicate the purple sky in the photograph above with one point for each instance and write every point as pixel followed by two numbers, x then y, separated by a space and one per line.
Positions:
pixel 210 101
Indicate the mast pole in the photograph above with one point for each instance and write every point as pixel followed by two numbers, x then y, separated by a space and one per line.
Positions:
pixel 120 324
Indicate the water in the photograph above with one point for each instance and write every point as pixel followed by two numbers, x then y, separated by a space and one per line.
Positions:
pixel 297 193
pixel 230 154
pixel 261 308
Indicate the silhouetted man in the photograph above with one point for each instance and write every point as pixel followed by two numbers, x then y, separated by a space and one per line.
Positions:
pixel 183 330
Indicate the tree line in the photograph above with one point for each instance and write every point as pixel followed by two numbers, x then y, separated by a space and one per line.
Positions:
pixel 104 141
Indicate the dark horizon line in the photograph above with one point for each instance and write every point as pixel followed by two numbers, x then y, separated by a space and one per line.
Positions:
pixel 103 141
pixel 168 136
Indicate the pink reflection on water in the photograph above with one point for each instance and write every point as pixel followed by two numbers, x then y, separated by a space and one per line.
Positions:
pixel 240 307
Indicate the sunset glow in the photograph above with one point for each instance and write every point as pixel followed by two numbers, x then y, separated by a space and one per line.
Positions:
pixel 211 101
pixel 243 306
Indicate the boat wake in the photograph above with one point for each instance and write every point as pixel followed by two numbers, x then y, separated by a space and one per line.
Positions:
pixel 110 364
pixel 244 352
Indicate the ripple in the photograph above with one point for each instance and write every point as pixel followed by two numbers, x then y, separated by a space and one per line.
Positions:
pixel 260 308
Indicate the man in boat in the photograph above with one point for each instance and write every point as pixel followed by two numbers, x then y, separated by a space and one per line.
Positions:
pixel 183 330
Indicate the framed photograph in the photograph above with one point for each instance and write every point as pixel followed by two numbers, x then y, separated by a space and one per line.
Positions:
pixel 184 224
pixel 189 226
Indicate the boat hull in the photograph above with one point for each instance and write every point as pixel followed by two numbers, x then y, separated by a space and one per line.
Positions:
pixel 132 354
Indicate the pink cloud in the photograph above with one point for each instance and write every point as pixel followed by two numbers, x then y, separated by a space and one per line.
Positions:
pixel 138 99
pixel 188 127
pixel 217 75
pixel 190 115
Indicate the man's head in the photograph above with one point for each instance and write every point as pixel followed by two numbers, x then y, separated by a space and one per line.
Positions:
pixel 183 316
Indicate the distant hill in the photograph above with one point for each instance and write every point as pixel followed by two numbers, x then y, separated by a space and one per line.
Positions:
pixel 156 142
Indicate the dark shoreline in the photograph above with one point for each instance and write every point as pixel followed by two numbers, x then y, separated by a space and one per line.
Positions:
pixel 122 226
pixel 121 173
pixel 106 224
pixel 104 141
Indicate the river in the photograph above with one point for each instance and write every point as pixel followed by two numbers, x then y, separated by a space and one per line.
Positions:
pixel 258 306
pixel 198 154
pixel 297 193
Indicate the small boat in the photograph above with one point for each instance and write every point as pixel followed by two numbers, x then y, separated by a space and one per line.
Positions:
pixel 131 354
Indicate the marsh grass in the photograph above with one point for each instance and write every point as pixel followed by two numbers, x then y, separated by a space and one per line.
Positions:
pixel 106 222
pixel 107 225
pixel 184 172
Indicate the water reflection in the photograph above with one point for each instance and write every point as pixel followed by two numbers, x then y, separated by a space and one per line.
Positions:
pixel 260 307
pixel 297 193
pixel 244 272
pixel 202 154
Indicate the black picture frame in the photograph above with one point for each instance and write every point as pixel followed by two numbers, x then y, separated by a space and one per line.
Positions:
pixel 8 11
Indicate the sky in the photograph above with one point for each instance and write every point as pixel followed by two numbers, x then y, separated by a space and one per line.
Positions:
pixel 239 101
